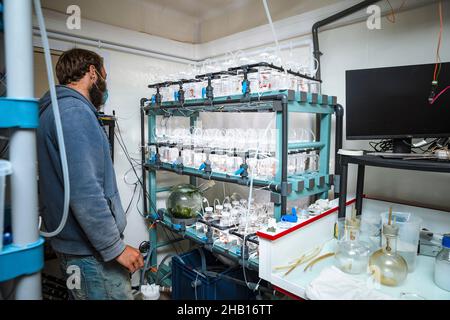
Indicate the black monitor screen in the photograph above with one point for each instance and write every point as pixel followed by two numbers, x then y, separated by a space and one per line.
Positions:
pixel 387 103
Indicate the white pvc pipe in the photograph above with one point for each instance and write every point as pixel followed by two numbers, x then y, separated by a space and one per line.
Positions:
pixel 115 47
pixel 22 154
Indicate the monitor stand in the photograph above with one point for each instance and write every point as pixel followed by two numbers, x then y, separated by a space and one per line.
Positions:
pixel 402 145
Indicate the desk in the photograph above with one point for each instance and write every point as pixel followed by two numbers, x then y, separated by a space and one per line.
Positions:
pixel 376 161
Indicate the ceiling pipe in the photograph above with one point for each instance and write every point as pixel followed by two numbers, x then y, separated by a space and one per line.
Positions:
pixel 317 54
pixel 331 19
pixel 54 35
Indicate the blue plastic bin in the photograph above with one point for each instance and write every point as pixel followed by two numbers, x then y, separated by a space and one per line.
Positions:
pixel 188 285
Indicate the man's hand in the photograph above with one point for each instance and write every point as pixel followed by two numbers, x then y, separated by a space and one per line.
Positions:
pixel 131 259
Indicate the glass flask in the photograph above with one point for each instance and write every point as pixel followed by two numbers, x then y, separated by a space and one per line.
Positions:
pixel 218 213
pixel 184 202
pixel 313 162
pixel 225 220
pixel 386 265
pixel 442 265
pixel 352 255
pixel 187 155
pixel 292 164
pixel 208 213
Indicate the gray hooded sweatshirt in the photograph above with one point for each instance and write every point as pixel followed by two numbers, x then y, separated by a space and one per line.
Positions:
pixel 96 218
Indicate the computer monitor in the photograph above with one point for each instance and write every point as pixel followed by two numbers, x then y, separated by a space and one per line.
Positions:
pixel 393 103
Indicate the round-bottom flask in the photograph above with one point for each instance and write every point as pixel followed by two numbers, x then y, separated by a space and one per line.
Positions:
pixel 386 265
pixel 352 255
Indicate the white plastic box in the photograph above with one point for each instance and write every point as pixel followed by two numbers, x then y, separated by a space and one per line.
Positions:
pixel 285 245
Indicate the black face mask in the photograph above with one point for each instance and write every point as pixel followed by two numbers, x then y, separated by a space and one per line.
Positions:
pixel 97 93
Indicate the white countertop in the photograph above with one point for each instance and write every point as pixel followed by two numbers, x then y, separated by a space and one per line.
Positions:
pixel 419 282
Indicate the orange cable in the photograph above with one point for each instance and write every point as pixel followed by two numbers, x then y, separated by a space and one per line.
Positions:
pixel 438 58
pixel 392 14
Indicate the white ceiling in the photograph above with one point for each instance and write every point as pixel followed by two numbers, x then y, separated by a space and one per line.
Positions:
pixel 192 21
pixel 201 9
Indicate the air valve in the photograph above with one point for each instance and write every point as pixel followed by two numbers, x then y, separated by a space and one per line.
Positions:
pixel 178 164
pixel 243 169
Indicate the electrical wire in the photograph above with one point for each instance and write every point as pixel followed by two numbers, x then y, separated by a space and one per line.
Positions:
pixel 439 94
pixel 382 146
pixel 391 17
pixel 169 256
pixel 58 122
pixel 132 198
pixel 122 145
pixel 438 66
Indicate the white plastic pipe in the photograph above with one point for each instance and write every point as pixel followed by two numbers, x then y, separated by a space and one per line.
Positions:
pixel 115 46
pixel 275 37
pixel 22 154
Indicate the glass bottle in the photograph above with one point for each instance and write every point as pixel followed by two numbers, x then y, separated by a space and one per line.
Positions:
pixel 208 213
pixel 386 264
pixel 442 265
pixel 352 255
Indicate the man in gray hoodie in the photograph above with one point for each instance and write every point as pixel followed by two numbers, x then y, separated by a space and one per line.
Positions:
pixel 91 244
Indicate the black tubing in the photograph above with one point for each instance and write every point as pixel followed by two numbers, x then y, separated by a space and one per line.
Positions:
pixel 331 19
pixel 144 171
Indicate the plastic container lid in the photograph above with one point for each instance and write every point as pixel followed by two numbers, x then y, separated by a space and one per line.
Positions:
pixel 446 241
pixel 209 209
pixel 5 168
pixel 219 207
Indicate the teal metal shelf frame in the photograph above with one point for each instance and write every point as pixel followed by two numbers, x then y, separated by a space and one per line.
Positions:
pixel 298 186
pixel 16 261
pixel 283 188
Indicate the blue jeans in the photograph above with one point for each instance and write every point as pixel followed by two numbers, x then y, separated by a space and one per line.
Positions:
pixel 88 278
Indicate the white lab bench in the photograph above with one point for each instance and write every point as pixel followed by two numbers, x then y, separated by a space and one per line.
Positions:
pixel 280 248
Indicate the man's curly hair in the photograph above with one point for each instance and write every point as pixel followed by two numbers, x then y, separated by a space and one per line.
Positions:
pixel 74 64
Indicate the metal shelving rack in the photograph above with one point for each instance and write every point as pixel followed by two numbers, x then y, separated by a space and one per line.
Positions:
pixel 283 188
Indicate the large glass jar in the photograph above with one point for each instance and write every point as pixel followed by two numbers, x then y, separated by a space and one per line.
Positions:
pixel 352 255
pixel 386 265
pixel 185 202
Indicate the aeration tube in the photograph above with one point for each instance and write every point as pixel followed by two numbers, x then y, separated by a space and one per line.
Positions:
pixel 59 130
